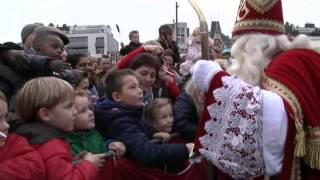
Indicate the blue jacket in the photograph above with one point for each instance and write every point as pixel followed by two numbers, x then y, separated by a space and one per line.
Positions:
pixel 125 124
pixel 185 117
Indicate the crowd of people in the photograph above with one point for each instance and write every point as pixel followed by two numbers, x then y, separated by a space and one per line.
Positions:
pixel 152 113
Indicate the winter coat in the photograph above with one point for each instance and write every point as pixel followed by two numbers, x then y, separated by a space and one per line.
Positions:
pixel 90 141
pixel 193 55
pixel 15 69
pixel 128 48
pixel 56 153
pixel 14 72
pixel 125 124
pixel 185 117
pixel 19 161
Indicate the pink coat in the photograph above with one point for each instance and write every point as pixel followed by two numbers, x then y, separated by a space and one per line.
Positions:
pixel 193 55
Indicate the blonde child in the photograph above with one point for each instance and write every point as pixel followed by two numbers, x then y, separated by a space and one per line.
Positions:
pixel 159 115
pixel 47 106
pixel 18 160
pixel 85 137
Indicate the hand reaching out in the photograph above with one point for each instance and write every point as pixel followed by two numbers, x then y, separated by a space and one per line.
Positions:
pixel 96 159
pixel 154 49
pixel 118 148
pixel 59 65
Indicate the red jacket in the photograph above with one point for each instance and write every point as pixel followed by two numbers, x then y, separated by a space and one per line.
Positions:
pixel 18 160
pixel 58 162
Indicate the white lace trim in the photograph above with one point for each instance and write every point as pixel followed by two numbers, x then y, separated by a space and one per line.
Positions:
pixel 233 142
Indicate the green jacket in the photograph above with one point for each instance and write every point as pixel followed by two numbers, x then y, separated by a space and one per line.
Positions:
pixel 91 141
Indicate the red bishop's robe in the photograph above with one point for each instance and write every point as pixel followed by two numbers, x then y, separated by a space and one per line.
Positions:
pixel 294 75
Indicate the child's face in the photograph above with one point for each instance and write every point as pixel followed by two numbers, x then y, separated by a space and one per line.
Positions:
pixel 52 47
pixel 106 64
pixel 168 61
pixel 164 119
pixel 83 64
pixel 131 94
pixel 146 77
pixel 83 87
pixel 62 116
pixel 4 126
pixel 84 116
pixel 135 38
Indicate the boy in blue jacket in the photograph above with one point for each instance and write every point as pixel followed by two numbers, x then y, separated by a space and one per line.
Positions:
pixel 120 118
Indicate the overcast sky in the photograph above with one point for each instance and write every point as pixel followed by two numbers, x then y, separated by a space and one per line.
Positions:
pixel 143 15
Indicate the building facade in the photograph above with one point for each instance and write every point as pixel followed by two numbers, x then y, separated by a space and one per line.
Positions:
pixel 217 35
pixel 181 36
pixel 93 40
pixel 309 29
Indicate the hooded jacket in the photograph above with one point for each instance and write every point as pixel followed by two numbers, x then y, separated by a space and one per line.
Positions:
pixel 19 161
pixel 56 153
pixel 126 124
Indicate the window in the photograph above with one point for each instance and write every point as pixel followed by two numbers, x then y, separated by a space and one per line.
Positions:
pixel 78 51
pixel 99 50
pixel 78 42
pixel 99 41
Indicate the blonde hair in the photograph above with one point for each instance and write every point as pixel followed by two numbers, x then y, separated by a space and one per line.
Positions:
pixel 152 42
pixel 194 94
pixel 253 52
pixel 154 106
pixel 43 92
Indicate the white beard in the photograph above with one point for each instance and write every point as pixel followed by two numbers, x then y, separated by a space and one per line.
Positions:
pixel 252 53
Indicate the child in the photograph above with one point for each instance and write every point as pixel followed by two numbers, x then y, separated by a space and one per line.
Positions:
pixel 120 118
pixel 49 41
pixel 18 160
pixel 134 43
pixel 194 51
pixel 47 106
pixel 85 137
pixel 187 110
pixel 82 62
pixel 166 85
pixel 159 115
pixel 79 81
pixel 105 66
pixel 17 66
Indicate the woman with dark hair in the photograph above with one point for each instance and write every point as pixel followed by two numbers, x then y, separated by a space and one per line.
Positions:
pixel 146 67
pixel 79 61
pixel 146 64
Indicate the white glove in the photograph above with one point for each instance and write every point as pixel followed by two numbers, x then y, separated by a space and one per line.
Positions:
pixel 202 73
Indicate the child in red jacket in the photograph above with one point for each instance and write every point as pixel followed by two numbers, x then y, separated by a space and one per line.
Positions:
pixel 47 106
pixel 18 160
